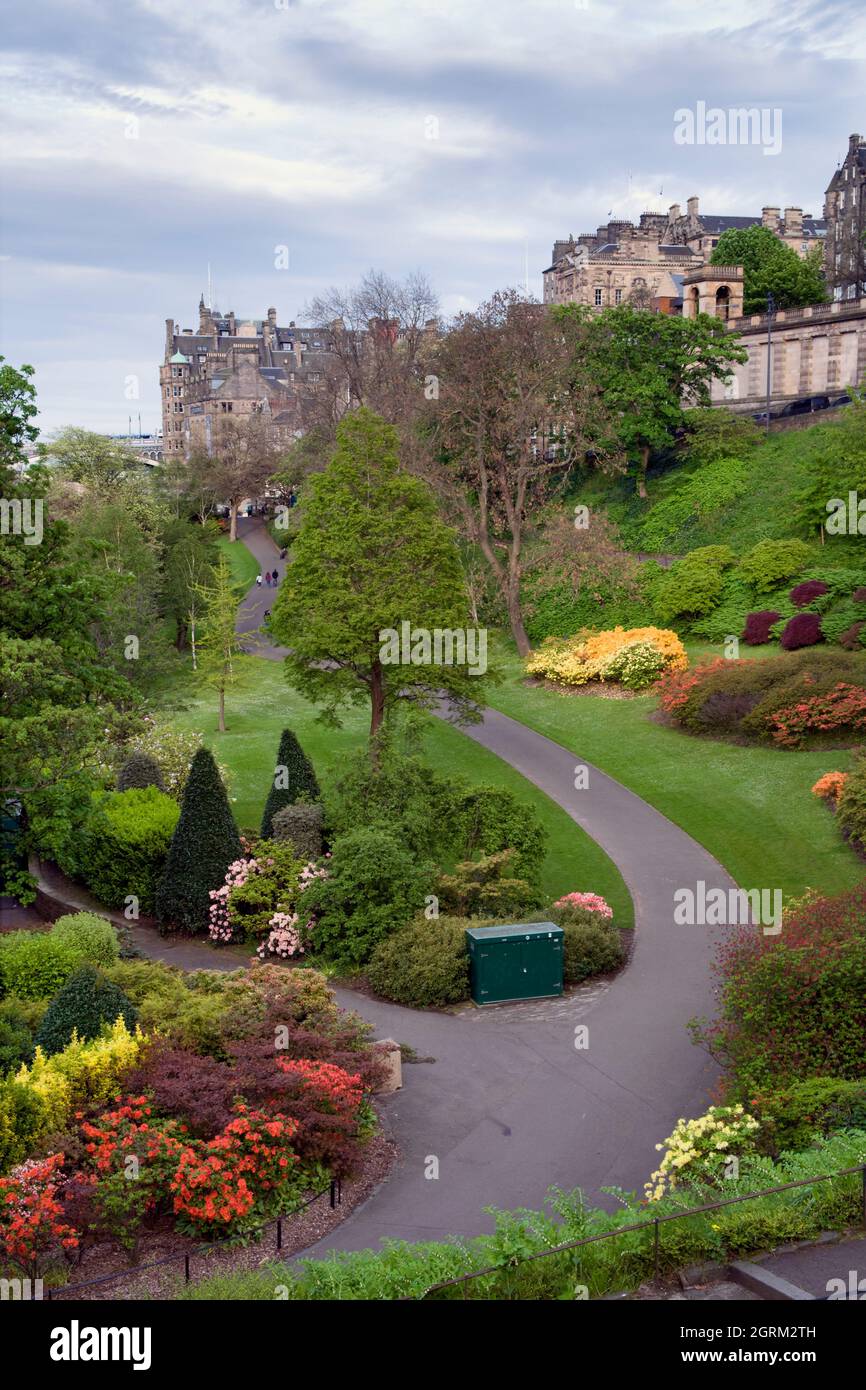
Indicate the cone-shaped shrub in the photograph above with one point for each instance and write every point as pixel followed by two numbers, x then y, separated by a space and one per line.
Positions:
pixel 293 780
pixel 84 1004
pixel 204 843
pixel 139 770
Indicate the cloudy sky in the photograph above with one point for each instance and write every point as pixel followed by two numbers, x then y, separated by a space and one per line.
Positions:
pixel 143 141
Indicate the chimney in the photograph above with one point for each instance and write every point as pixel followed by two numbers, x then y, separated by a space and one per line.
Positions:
pixel 272 318
pixel 674 212
pixel 770 218
pixel 854 143
pixel 233 328
pixel 169 338
pixel 692 207
pixel 793 221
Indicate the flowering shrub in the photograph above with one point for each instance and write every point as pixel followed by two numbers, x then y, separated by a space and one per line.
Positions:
pixel 258 899
pixel 842 709
pixel 173 751
pixel 757 629
pixel 829 786
pixel 330 1088
pixel 135 1157
pixel 675 687
pixel 803 630
pixel 232 1181
pixel 591 901
pixel 699 1150
pixel 32 1225
pixel 634 657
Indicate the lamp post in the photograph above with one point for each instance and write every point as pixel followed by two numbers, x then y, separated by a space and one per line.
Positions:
pixel 771 307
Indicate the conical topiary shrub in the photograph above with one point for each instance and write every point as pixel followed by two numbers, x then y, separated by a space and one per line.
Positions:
pixel 204 843
pixel 139 770
pixel 293 780
pixel 83 1005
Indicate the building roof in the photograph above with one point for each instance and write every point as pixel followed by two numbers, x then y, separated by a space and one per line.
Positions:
pixel 178 357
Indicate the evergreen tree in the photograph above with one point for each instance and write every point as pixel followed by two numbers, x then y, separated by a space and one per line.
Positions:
pixel 139 770
pixel 204 843
pixel 294 780
pixel 86 1002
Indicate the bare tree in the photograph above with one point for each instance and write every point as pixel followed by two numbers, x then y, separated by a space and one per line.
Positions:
pixel 515 413
pixel 244 456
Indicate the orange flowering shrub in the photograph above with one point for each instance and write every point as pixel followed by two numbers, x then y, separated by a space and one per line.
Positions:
pixel 245 1173
pixel 32 1225
pixel 634 657
pixel 829 787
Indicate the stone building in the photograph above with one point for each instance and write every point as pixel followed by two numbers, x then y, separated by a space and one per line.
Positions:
pixel 701 231
pixel 845 215
pixel 232 367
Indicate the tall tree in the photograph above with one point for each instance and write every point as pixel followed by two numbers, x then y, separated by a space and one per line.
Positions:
pixel 244 456
pixel 188 573
pixel 372 555
pixel 218 645
pixel 771 267
pixel 515 413
pixel 650 369
pixel 293 780
pixel 204 843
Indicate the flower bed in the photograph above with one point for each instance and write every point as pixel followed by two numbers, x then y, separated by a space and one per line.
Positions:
pixel 631 657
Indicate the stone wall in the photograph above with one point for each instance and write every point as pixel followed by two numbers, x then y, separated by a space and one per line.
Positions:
pixel 819 350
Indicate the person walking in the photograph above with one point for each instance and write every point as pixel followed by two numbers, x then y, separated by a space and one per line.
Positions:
pixel 275 576
pixel 259 580
pixel 268 579
pixel 283 553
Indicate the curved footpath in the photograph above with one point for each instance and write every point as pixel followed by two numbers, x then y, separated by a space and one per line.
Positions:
pixel 510 1105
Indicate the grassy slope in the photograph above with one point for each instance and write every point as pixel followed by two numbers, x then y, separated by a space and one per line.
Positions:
pixel 243 565
pixel 750 807
pixel 261 705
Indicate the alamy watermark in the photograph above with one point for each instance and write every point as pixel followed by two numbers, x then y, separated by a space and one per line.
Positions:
pixel 443 646
pixel 732 125
pixel 22 517
pixel 727 907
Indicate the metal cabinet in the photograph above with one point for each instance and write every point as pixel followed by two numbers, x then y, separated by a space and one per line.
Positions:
pixel 523 961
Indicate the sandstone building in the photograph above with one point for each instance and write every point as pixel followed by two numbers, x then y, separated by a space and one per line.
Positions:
pixel 845 215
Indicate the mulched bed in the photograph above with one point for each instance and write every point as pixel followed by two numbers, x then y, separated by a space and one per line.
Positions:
pixel 602 689
pixel 299 1232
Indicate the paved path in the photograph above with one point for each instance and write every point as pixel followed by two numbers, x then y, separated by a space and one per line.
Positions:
pixel 511 1105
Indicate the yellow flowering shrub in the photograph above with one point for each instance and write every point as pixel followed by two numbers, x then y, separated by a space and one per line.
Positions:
pixel 699 1150
pixel 605 656
pixel 82 1072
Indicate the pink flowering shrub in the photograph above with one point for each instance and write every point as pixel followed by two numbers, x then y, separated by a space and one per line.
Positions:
pixel 258 898
pixel 591 902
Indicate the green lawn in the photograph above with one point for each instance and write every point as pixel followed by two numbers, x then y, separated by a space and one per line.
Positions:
pixel 751 807
pixel 243 565
pixel 261 705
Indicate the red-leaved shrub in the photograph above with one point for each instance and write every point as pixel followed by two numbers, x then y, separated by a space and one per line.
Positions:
pixel 803 630
pixel 803 594
pixel 757 629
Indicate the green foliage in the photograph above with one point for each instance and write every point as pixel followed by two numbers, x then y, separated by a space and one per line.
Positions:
pixel 301 826
pixel 139 770
pixel 700 495
pixel 16 1035
pixel 293 780
pixel 728 618
pixel 390 559
pixel 93 938
pixel 127 840
pixel 374 886
pixel 851 810
pixel 86 1002
pixel 424 964
pixel 204 843
pixel 35 965
pixel 486 820
pixel 770 563
pixel 692 586
pixel 713 435
pixel 486 886
pixel 771 267
pixel 791 1118
pixel 200 1011
pixel 22 1120
pixel 592 944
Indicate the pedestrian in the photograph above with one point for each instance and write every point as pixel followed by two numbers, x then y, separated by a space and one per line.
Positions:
pixel 259 580
pixel 267 614
pixel 268 579
pixel 275 576
pixel 283 553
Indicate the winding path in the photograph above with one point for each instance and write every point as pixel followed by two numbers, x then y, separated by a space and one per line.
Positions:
pixel 510 1105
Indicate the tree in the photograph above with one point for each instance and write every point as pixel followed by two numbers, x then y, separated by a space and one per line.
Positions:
pixel 771 267
pixel 219 643
pixel 373 560
pixel 99 463
pixel 204 844
pixel 85 1003
pixel 650 369
pixel 18 410
pixel 244 457
pixel 516 412
pixel 293 780
pixel 188 572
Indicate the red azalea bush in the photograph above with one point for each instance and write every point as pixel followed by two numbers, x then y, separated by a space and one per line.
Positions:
pixel 33 1228
pixel 135 1157
pixel 803 594
pixel 839 711
pixel 793 1006
pixel 330 1088
pixel 803 630
pixel 675 687
pixel 244 1174
pixel 757 630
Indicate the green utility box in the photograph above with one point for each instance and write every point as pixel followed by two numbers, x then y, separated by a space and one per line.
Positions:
pixel 519 962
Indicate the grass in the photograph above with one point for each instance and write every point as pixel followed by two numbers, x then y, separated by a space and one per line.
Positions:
pixel 243 565
pixel 261 704
pixel 751 807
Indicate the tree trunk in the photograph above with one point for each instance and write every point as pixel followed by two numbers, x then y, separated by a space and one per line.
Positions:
pixel 222 723
pixel 515 618
pixel 192 644
pixel 180 634
pixel 377 703
pixel 233 520
pixel 641 477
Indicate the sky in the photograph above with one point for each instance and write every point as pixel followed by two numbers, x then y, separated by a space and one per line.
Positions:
pixel 144 141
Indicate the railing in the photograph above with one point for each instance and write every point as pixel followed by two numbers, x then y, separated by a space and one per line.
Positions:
pixel 334 1191
pixel 654 1224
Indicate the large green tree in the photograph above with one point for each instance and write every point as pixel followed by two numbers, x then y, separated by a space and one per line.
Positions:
pixel 373 560
pixel 771 267
pixel 204 843
pixel 650 370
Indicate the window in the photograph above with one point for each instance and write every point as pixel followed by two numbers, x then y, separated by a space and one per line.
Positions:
pixel 598 299
pixel 617 295
pixel 226 407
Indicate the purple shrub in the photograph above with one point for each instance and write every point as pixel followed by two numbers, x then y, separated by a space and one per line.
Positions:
pixel 859 595
pixel 757 629
pixel 803 630
pixel 850 638
pixel 803 594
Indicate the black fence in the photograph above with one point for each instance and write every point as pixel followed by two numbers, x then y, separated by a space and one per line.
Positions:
pixel 334 1192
